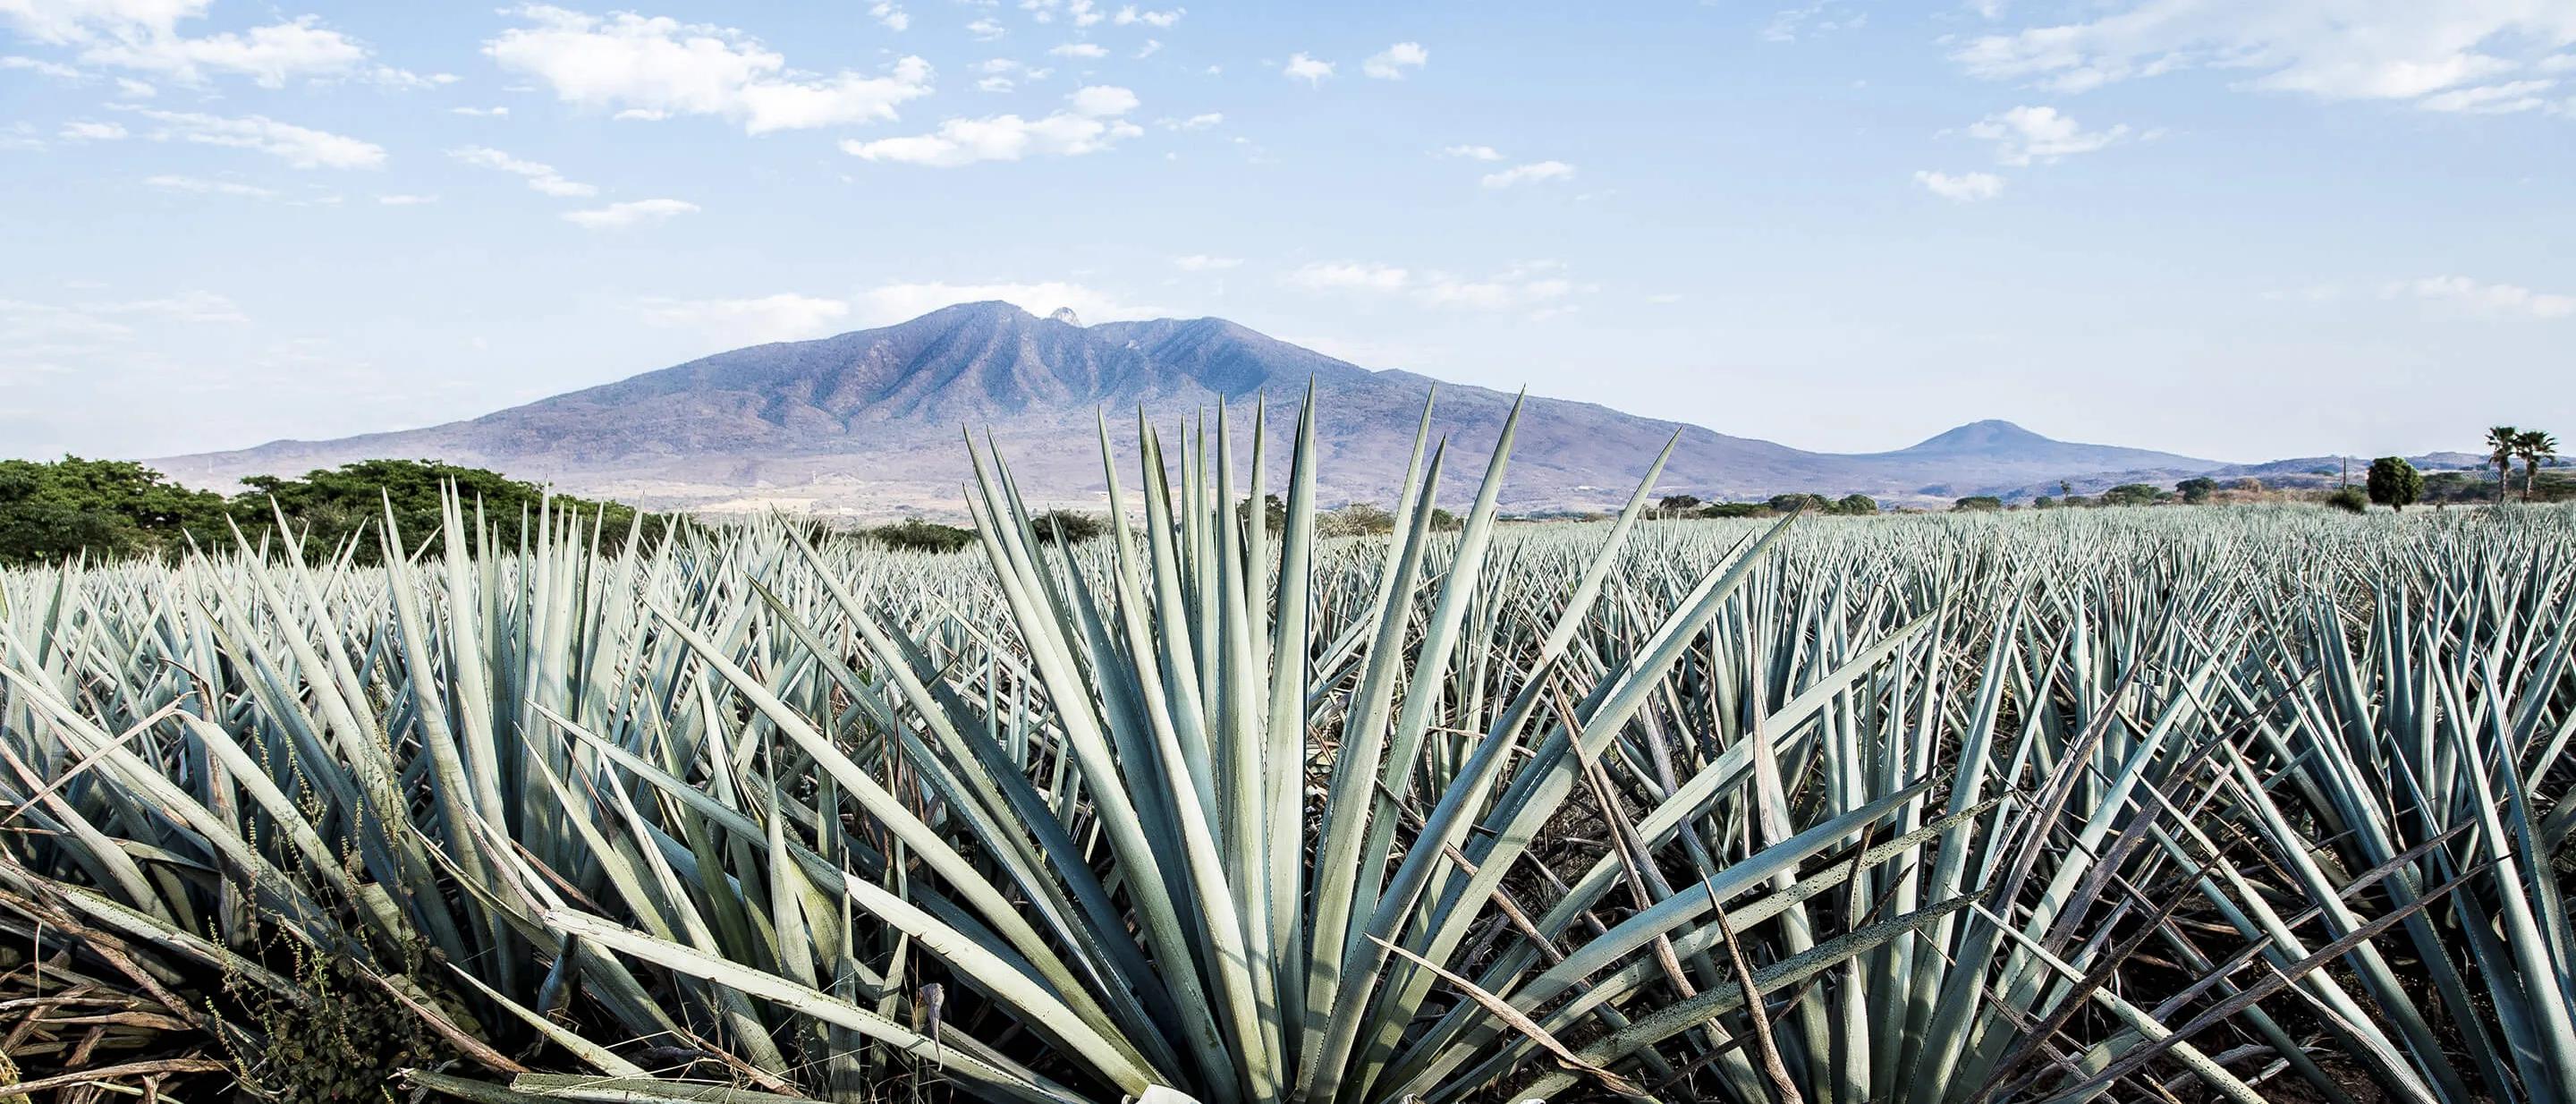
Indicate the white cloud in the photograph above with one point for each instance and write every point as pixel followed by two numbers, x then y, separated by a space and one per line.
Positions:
pixel 891 15
pixel 1082 13
pixel 890 303
pixel 1309 70
pixel 54 69
pixel 2026 134
pixel 1102 101
pixel 542 178
pixel 659 67
pixel 133 89
pixel 1390 63
pixel 405 200
pixel 1815 17
pixel 621 216
pixel 1530 285
pixel 1201 121
pixel 1151 47
pixel 986 29
pixel 269 55
pixel 481 112
pixel 302 147
pixel 1664 298
pixel 2484 298
pixel 146 35
pixel 73 327
pixel 995 84
pixel 782 317
pixel 1535 172
pixel 1131 14
pixel 1472 153
pixel 1963 188
pixel 1080 50
pixel 2394 49
pixel 1093 123
pixel 85 131
pixel 2492 99
pixel 1347 275
pixel 202 186
pixel 1201 262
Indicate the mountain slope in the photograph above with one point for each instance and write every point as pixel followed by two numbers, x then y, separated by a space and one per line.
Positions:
pixel 869 423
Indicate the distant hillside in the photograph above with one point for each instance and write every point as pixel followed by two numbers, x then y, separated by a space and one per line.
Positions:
pixel 869 423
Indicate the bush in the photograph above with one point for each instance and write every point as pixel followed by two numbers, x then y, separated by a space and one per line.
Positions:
pixel 916 535
pixel 1792 503
pixel 1855 505
pixel 2197 490
pixel 1358 519
pixel 2043 502
pixel 2349 500
pixel 2394 483
pixel 98 508
pixel 2134 494
pixel 1071 527
pixel 1977 504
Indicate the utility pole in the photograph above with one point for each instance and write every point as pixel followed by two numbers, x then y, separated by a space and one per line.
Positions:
pixel 2347 473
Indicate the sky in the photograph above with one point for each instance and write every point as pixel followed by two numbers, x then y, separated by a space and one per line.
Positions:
pixel 2238 229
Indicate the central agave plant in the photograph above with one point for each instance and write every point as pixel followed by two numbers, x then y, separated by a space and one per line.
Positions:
pixel 1227 937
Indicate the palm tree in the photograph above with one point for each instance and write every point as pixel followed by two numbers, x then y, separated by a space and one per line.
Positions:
pixel 2533 446
pixel 2501 453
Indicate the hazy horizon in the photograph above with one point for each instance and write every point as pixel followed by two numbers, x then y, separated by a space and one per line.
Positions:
pixel 2270 229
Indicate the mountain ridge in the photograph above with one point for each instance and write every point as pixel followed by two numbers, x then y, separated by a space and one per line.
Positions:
pixel 867 423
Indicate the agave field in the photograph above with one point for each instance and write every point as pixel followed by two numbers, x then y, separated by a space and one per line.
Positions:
pixel 2262 803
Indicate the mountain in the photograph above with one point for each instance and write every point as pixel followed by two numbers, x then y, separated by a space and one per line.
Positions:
pixel 869 423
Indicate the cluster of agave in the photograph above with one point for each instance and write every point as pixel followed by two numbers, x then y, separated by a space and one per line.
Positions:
pixel 2119 805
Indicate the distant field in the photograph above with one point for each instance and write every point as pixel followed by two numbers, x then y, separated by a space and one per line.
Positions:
pixel 2249 803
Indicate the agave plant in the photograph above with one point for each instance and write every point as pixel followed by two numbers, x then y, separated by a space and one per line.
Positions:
pixel 1941 809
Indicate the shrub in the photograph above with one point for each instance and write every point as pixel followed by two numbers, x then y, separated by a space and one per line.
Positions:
pixel 2349 500
pixel 1356 520
pixel 2133 494
pixel 2394 483
pixel 1792 503
pixel 916 535
pixel 1068 526
pixel 1977 504
pixel 2197 490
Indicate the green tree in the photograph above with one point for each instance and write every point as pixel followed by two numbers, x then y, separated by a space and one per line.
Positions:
pixel 1356 519
pixel 2349 500
pixel 2043 502
pixel 2532 446
pixel 1274 513
pixel 1677 505
pixel 1856 505
pixel 917 535
pixel 1790 503
pixel 51 511
pixel 1070 527
pixel 2503 448
pixel 2197 489
pixel 331 506
pixel 2133 494
pixel 2394 483
pixel 1977 504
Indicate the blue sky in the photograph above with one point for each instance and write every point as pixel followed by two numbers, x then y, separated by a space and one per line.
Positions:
pixel 2233 228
